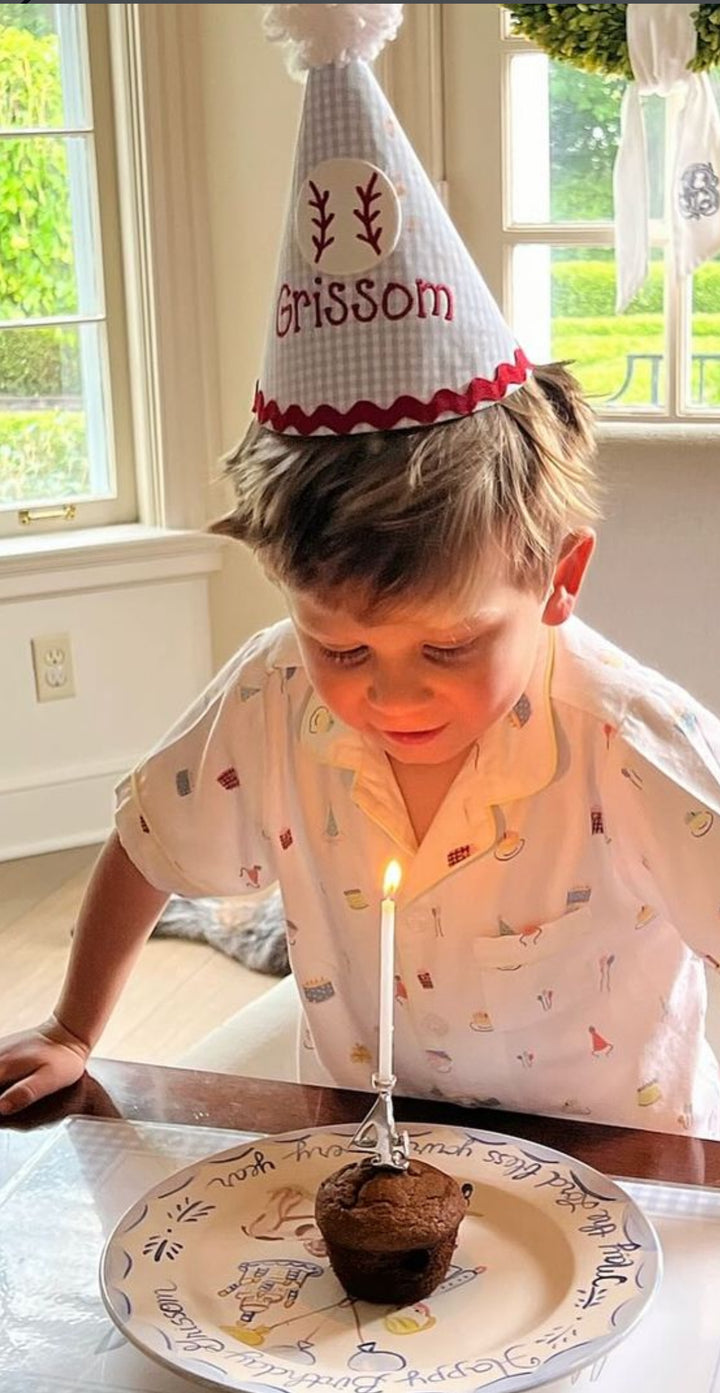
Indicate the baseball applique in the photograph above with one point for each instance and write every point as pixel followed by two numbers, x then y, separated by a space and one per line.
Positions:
pixel 347 217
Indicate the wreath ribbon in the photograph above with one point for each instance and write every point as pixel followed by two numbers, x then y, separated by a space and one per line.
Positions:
pixel 662 41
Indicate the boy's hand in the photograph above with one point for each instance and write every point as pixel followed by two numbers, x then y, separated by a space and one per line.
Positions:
pixel 36 1062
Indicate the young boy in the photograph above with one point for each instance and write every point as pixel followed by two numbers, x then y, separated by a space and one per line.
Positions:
pixel 553 804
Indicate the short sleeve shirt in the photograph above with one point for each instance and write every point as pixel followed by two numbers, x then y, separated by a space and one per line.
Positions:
pixel 554 924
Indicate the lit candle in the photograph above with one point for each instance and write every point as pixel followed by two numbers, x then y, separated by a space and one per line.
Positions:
pixel 391 882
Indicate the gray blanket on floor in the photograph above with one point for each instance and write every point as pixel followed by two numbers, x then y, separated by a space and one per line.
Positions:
pixel 250 930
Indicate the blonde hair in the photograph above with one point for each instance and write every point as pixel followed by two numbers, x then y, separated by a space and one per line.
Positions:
pixel 399 513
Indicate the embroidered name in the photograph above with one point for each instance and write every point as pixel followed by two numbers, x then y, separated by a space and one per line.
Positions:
pixel 334 302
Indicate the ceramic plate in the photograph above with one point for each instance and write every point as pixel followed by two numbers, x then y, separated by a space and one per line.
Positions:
pixel 220 1272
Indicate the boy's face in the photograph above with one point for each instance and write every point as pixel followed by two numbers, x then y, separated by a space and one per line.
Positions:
pixel 424 683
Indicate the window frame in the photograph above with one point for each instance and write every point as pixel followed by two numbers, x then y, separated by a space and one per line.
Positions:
pixel 676 313
pixel 472 94
pixel 121 505
pixel 167 420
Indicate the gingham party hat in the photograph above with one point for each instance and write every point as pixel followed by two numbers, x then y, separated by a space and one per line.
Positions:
pixel 381 318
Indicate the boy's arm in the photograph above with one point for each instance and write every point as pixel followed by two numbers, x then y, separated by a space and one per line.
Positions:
pixel 117 915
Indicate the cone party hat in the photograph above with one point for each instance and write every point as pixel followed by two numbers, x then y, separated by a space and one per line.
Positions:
pixel 381 319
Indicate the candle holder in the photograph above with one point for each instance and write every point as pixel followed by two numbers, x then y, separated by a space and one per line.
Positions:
pixel 378 1132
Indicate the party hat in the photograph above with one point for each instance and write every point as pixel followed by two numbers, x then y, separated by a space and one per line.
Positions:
pixel 381 318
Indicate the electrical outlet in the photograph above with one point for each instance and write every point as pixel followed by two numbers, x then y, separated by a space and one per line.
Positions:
pixel 52 661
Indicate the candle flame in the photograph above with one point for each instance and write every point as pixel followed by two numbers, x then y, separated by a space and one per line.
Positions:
pixel 393 876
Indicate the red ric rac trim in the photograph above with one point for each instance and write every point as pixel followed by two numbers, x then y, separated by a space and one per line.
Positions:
pixel 366 413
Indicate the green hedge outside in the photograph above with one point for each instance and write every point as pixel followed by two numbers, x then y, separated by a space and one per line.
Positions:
pixel 583 288
pixel 43 454
pixel 37 272
pixel 39 363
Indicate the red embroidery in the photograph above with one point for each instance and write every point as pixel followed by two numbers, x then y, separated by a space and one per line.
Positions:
pixel 422 286
pixel 426 980
pixel 282 310
pixel 391 287
pixel 320 239
pixel 367 215
pixel 286 838
pixel 363 288
pixel 458 854
pixel 335 301
pixel 403 408
pixel 229 778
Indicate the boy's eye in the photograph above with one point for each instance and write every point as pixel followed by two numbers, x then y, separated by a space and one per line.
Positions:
pixel 451 655
pixel 344 657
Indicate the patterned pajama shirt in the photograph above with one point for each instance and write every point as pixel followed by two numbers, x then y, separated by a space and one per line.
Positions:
pixel 553 927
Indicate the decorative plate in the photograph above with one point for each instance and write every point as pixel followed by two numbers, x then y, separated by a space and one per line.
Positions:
pixel 220 1272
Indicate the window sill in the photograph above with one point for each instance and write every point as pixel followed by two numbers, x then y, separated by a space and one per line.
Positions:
pixel 128 554
pixel 646 431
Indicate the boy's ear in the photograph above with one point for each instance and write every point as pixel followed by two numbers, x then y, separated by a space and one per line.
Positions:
pixel 569 575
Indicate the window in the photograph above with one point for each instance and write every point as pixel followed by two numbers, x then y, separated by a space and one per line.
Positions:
pixel 530 151
pixel 64 455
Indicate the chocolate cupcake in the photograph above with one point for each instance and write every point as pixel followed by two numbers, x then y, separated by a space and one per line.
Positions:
pixel 390 1234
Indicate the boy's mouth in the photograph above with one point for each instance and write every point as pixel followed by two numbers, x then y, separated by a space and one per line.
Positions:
pixel 412 737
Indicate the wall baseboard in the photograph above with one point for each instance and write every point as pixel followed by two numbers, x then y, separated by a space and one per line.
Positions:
pixel 69 811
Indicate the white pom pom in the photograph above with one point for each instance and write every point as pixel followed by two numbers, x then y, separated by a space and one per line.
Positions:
pixel 321 34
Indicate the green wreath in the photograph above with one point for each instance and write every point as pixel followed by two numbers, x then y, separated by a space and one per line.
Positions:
pixel 594 37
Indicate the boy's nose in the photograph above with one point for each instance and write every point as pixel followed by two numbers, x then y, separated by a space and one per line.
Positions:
pixel 397 692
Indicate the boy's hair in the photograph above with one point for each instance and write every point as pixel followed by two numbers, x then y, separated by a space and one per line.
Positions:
pixel 398 513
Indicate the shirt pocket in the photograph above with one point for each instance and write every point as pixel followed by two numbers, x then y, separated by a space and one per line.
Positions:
pixel 536 977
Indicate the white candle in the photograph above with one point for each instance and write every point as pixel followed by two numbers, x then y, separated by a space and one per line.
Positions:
pixel 387 971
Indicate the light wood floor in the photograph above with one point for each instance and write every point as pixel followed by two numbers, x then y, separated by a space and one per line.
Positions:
pixel 178 992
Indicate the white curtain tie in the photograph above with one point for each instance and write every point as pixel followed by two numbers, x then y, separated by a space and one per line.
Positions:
pixel 661 42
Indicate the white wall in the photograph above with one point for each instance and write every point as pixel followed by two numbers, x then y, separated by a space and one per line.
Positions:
pixel 655 579
pixel 251 111
pixel 142 633
pixel 140 643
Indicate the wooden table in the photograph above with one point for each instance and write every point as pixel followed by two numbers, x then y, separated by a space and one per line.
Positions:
pixel 85 1171
pixel 144 1092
